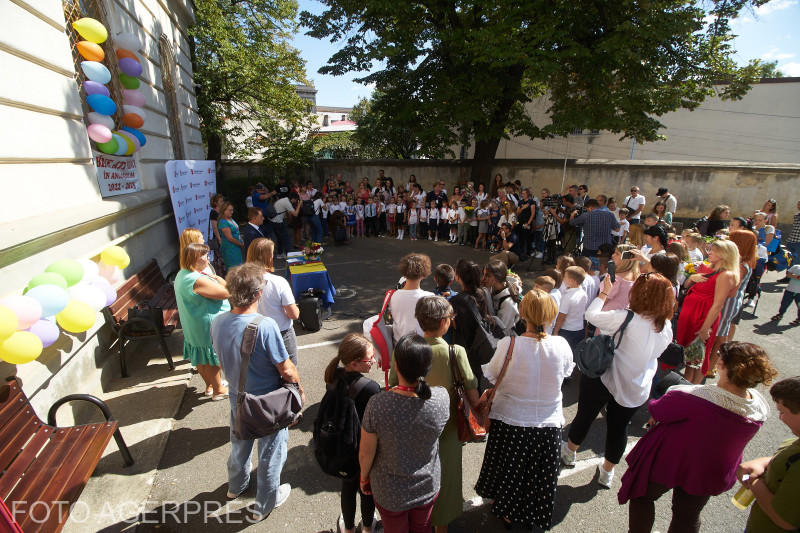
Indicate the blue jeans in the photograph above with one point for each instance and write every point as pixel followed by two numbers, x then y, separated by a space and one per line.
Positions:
pixel 271 458
pixel 316 228
pixel 786 302
pixel 794 249
pixel 282 236
pixel 412 230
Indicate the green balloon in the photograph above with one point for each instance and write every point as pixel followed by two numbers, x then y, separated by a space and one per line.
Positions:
pixel 109 147
pixel 129 82
pixel 47 278
pixel 71 270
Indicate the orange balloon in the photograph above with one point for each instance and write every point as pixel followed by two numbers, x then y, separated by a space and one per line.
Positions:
pixel 121 52
pixel 132 120
pixel 91 51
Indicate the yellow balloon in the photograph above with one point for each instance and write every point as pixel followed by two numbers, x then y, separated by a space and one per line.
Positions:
pixel 115 256
pixel 76 317
pixel 8 322
pixel 91 30
pixel 20 348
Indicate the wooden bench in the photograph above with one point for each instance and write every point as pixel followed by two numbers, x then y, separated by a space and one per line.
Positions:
pixel 150 287
pixel 43 468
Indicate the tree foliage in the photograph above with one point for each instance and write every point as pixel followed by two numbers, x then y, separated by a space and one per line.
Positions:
pixel 469 67
pixel 244 72
pixel 769 69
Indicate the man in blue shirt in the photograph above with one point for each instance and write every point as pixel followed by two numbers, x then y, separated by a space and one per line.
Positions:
pixel 597 226
pixel 269 364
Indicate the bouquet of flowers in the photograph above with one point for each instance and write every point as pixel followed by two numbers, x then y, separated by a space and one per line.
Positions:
pixel 692 268
pixel 312 251
pixel 470 211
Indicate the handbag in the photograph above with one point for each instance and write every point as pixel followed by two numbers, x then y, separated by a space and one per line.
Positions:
pixel 145 311
pixel 470 428
pixel 262 415
pixel 594 355
pixel 488 395
pixel 383 336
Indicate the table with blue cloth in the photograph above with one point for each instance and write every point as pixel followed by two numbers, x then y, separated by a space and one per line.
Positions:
pixel 311 276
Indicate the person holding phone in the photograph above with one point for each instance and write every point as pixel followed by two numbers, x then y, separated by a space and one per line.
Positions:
pixel 626 268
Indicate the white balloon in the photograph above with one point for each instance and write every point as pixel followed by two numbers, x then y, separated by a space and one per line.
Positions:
pixel 134 109
pixel 105 120
pixel 110 273
pixel 90 270
pixel 127 40
pixel 88 294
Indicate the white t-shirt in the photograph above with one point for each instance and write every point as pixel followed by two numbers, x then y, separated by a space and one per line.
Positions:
pixel 391 209
pixel 412 216
pixel 695 255
pixel 462 215
pixel 433 214
pixel 423 215
pixel 633 204
pixel 481 196
pixel 359 212
pixel 318 203
pixel 591 287
pixel 555 294
pixel 573 304
pixel 420 200
pixel 624 227
pixel 277 293
pixel 402 306
pixel 282 206
pixel 248 201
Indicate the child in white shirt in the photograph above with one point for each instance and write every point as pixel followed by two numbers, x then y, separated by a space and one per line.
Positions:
pixel 452 220
pixel 624 226
pixel 433 222
pixel 569 323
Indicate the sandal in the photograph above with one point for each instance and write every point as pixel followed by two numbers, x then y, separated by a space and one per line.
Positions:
pixel 777 318
pixel 795 322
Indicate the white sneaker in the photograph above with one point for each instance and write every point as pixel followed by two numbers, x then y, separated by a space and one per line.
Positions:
pixel 436 239
pixel 283 495
pixel 603 477
pixel 539 255
pixel 567 456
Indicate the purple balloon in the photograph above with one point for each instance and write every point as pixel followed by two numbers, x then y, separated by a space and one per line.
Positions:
pixel 47 332
pixel 105 286
pixel 92 87
pixel 130 66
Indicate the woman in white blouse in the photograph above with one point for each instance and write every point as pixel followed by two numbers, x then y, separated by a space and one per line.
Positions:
pixel 521 463
pixel 625 386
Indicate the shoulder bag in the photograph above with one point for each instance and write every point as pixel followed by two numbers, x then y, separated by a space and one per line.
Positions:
pixel 488 395
pixel 593 355
pixel 383 336
pixel 469 427
pixel 259 416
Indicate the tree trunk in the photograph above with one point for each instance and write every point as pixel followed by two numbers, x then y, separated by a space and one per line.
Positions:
pixel 483 160
pixel 214 151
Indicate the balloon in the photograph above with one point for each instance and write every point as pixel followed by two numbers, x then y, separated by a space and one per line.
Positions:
pixel 109 148
pixel 20 348
pixel 129 82
pixel 133 97
pixel 109 272
pixel 47 278
pixel 47 332
pixel 136 133
pixel 26 309
pixel 8 322
pixel 90 51
pixel 99 133
pixel 105 120
pixel 101 104
pixel 132 120
pixel 69 268
pixel 122 146
pixel 129 137
pixel 52 298
pixel 90 270
pixel 96 71
pixel 103 284
pixel 130 145
pixel 92 87
pixel 88 294
pixel 131 67
pixel 122 52
pixel 91 30
pixel 76 317
pixel 135 110
pixel 126 40
pixel 116 256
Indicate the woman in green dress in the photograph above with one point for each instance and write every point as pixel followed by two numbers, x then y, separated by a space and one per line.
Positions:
pixel 231 243
pixel 201 297
pixel 434 314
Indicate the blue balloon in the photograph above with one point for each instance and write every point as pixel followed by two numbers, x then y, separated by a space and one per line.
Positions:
pixel 96 71
pixel 52 298
pixel 136 133
pixel 122 146
pixel 101 104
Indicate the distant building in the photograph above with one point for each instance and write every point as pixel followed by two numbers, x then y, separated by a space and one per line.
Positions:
pixel 308 93
pixel 334 119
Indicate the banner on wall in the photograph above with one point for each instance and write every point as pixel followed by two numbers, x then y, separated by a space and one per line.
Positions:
pixel 116 175
pixel 191 185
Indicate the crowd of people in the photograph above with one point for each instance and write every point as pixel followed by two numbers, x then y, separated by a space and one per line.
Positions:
pixel 610 268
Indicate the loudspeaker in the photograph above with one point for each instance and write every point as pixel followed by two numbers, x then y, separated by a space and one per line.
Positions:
pixel 310 313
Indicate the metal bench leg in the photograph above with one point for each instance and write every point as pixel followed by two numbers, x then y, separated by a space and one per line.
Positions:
pixel 165 349
pixel 123 448
pixel 122 364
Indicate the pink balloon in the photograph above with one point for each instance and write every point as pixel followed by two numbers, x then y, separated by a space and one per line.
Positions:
pixel 133 97
pixel 47 332
pixel 108 272
pixel 105 286
pixel 27 309
pixel 99 133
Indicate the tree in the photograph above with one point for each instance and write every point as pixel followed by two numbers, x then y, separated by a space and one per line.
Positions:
pixel 470 67
pixel 337 145
pixel 244 73
pixel 769 69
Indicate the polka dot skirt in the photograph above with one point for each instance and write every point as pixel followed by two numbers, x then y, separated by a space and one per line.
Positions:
pixel 520 473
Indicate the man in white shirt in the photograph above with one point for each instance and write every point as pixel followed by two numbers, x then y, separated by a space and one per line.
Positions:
pixel 670 200
pixel 634 204
pixel 282 207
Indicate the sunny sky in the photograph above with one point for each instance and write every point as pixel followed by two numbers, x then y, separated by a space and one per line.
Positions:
pixel 771 32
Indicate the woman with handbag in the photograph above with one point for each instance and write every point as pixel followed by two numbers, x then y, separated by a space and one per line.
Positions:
pixel 625 385
pixel 399 449
pixel 200 298
pixel 521 464
pixel 434 315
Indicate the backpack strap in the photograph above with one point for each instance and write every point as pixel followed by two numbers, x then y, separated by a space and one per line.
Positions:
pixel 355 388
pixel 458 380
pixel 621 329
pixel 791 460
pixel 386 300
pixel 247 348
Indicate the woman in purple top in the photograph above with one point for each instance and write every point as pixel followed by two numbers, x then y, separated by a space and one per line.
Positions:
pixel 686 452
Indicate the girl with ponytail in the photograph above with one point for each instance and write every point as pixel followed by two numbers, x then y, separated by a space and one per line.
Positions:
pixel 404 473
pixel 469 305
pixel 505 296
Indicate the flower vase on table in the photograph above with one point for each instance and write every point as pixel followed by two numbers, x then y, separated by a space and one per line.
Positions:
pixel 312 252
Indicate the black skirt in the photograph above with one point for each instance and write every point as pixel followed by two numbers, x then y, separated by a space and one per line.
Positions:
pixel 520 473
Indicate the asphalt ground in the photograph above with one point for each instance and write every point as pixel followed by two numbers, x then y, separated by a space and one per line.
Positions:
pixel 189 489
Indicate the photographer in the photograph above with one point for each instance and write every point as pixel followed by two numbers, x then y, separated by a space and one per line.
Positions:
pixel 561 212
pixel 510 247
pixel 597 226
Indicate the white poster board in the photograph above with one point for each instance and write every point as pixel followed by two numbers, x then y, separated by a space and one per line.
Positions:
pixel 116 174
pixel 191 185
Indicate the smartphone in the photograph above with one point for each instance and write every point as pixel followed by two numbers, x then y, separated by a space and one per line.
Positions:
pixel 628 255
pixel 612 270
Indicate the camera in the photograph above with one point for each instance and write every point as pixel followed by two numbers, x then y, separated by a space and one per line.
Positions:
pixel 554 200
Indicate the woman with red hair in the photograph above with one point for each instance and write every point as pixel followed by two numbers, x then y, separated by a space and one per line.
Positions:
pixel 625 385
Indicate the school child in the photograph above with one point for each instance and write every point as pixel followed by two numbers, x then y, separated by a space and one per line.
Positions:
pixel 462 223
pixel 482 216
pixel 400 218
pixel 350 217
pixel 494 217
pixel 360 217
pixel 618 236
pixel 452 221
pixel 413 219
pixel 591 283
pixel 443 276
pixel 391 215
pixel 323 211
pixel 383 224
pixel 433 221
pixel 694 242
pixel 371 217
pixel 548 285
pixel 790 294
pixel 472 230
pixel 422 231
pixel 569 322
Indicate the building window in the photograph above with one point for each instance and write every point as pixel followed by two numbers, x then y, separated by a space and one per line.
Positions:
pixel 595 132
pixel 576 131
pixel 344 117
pixel 168 67
pixel 325 120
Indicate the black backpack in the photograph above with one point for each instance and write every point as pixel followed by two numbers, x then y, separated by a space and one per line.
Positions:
pixel 337 429
pixel 307 209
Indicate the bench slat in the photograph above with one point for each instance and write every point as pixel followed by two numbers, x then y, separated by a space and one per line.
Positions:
pixel 147 276
pixel 15 434
pixel 12 402
pixel 24 459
